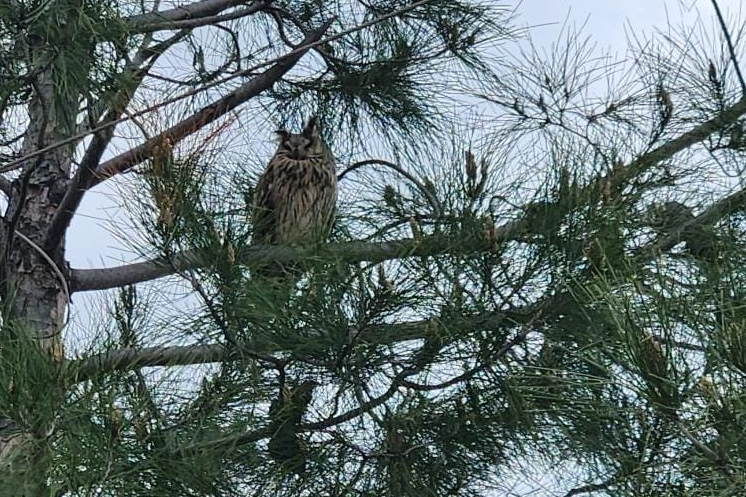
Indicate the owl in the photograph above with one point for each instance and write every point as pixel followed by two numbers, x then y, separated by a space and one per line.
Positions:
pixel 295 196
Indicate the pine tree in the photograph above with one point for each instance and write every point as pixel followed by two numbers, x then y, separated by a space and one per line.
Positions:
pixel 559 297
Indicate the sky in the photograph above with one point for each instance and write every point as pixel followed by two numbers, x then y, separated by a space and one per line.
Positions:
pixel 91 242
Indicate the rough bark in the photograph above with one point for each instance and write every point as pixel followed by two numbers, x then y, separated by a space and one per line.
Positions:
pixel 34 295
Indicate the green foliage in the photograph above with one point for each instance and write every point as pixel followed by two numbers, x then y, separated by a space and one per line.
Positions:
pixel 389 76
pixel 549 286
pixel 77 45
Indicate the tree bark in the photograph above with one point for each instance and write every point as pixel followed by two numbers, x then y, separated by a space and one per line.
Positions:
pixel 34 296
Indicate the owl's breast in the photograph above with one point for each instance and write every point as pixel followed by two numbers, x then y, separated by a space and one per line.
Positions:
pixel 308 193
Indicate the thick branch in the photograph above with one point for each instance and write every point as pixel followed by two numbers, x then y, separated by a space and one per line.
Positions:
pixel 676 145
pixel 101 279
pixel 208 114
pixel 196 14
pixel 135 358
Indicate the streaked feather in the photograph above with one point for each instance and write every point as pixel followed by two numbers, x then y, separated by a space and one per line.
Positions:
pixel 295 197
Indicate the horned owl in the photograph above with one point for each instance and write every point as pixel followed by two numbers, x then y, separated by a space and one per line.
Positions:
pixel 296 194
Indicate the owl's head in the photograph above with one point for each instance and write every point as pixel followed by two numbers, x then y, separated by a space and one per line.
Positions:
pixel 300 145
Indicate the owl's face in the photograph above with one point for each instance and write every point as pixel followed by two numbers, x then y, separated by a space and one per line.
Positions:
pixel 299 146
pixel 295 146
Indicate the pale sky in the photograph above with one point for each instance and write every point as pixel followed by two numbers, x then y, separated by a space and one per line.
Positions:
pixel 90 243
pixel 607 23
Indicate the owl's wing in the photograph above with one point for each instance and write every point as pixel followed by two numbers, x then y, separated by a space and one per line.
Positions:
pixel 330 208
pixel 264 211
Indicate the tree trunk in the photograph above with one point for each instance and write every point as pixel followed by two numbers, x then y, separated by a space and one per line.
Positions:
pixel 34 294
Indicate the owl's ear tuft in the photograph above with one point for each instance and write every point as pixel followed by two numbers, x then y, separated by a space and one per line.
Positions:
pixel 281 135
pixel 312 128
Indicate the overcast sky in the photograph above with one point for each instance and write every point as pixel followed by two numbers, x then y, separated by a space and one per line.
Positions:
pixel 608 23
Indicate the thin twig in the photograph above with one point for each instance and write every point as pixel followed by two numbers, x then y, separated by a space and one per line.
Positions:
pixel 731 49
pixel 428 194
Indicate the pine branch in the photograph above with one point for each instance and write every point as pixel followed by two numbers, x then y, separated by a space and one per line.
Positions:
pixel 676 145
pixel 176 133
pixel 135 71
pixel 131 358
pixel 104 278
pixel 141 151
pixel 349 252
pixel 727 205
pixel 256 435
pixel 208 114
pixel 190 16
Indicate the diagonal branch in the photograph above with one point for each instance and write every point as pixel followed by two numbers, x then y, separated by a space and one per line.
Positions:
pixel 208 114
pixel 728 205
pixel 197 14
pixel 299 50
pixel 695 135
pixel 101 139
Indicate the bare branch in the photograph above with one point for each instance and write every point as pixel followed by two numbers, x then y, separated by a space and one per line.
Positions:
pixel 208 114
pixel 300 50
pixel 189 16
pixel 592 487
pixel 356 251
pixel 207 20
